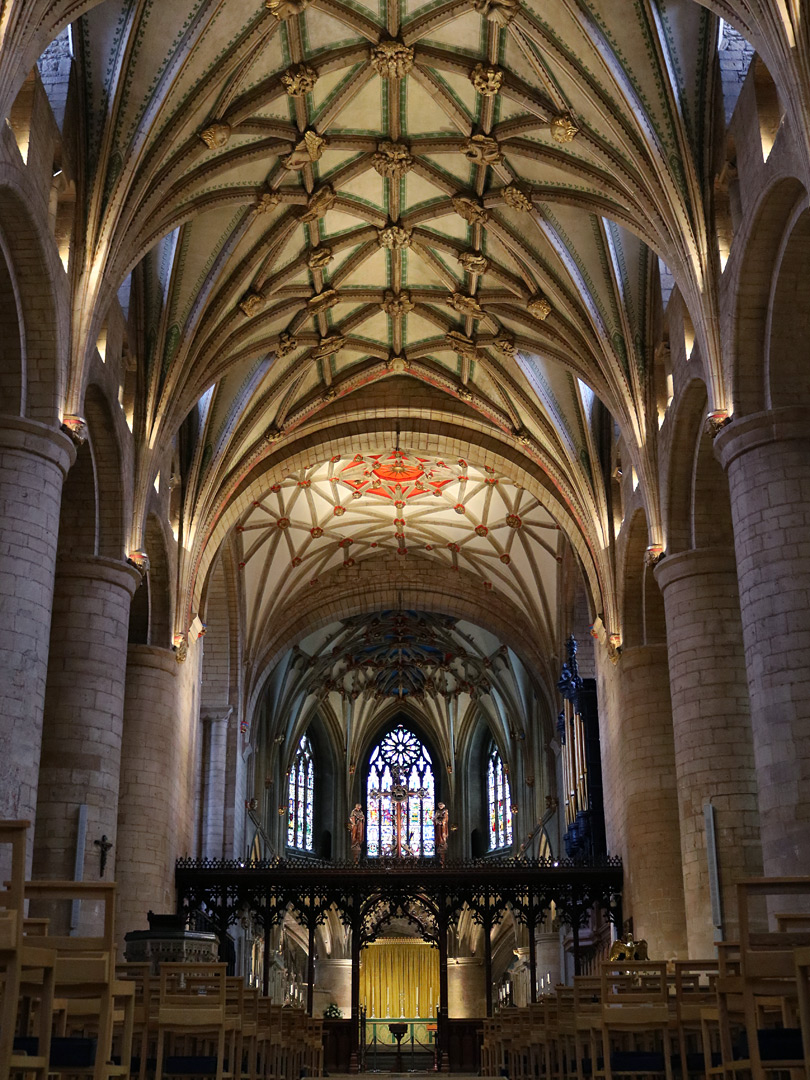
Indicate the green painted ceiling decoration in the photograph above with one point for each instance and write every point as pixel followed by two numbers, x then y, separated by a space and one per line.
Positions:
pixel 455 199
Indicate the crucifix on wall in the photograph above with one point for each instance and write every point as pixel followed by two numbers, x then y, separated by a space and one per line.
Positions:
pixel 399 794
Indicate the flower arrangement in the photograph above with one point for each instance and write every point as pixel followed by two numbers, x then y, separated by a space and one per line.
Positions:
pixel 332 1012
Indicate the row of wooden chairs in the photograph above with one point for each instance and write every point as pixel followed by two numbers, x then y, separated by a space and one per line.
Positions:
pixel 67 1008
pixel 744 1014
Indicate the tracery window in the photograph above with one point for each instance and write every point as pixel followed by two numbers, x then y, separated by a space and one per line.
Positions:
pixel 499 801
pixel 400 797
pixel 300 812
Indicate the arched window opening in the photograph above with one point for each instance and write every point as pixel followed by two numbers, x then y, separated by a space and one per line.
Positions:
pixel 400 797
pixel 300 798
pixel 499 797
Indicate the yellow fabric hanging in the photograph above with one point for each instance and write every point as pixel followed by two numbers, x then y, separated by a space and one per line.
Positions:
pixel 399 978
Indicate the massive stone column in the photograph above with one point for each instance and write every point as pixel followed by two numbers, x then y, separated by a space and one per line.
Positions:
pixel 34 460
pixel 146 808
pixel 767 457
pixel 83 716
pixel 215 743
pixel 649 803
pixel 714 759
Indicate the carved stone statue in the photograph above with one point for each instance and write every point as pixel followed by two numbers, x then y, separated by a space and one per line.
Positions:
pixel 441 826
pixel 357 828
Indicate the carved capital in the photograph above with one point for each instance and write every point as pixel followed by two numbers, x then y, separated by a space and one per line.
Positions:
pixel 323 301
pixel 474 262
pixel 319 257
pixel 563 128
pixel 328 346
pixel 251 303
pixel 499 11
pixel 538 307
pixel 299 80
pixel 505 343
pixel 487 79
pixel 716 421
pixel 286 344
pixel 309 149
pixel 392 160
pixel 285 9
pixel 397 303
pixel 320 202
pixel 267 201
pixel 140 560
pixel 465 305
pixel 470 209
pixel 392 59
pixel 76 429
pixel 216 135
pixel 274 433
pixel 463 345
pixel 653 555
pixel 517 199
pixel 394 236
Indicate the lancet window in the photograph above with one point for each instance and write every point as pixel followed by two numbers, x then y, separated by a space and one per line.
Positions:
pixel 400 797
pixel 300 813
pixel 499 797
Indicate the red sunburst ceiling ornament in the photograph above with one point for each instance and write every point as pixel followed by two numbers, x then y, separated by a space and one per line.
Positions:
pixel 396 476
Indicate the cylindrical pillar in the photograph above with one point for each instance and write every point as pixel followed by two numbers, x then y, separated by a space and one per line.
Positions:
pixel 146 806
pixel 714 757
pixel 333 978
pixel 34 460
pixel 465 987
pixel 548 961
pixel 213 809
pixel 83 717
pixel 767 457
pixel 653 880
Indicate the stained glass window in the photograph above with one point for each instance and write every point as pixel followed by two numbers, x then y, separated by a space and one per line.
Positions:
pixel 299 798
pixel 499 801
pixel 400 797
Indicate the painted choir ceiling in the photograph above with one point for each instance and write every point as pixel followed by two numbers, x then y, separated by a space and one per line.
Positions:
pixel 343 209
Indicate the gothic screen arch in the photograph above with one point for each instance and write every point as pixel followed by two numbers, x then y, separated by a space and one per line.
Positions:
pixel 300 806
pixel 400 797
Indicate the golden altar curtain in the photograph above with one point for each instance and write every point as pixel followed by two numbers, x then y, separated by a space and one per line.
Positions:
pixel 399 978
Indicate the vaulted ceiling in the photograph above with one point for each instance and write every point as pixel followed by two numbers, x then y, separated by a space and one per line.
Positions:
pixel 342 213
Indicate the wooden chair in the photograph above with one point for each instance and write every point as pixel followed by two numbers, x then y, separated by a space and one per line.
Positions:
pixel 695 991
pixel 768 974
pixel 27 972
pixel 802 959
pixel 194 1007
pixel 85 980
pixel 636 1015
pixel 587 1021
